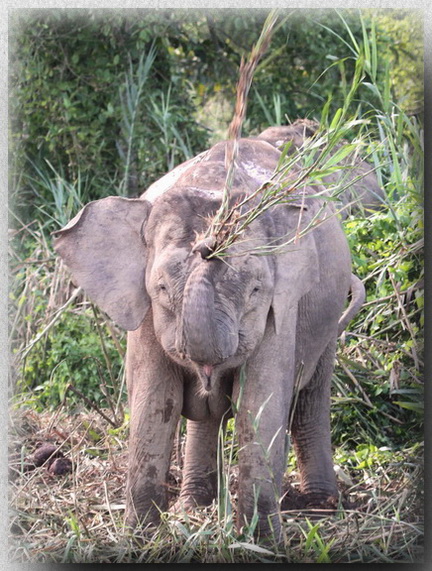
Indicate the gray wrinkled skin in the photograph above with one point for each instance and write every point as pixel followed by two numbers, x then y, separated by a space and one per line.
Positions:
pixel 193 323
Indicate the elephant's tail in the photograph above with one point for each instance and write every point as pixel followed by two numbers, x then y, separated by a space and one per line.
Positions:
pixel 358 295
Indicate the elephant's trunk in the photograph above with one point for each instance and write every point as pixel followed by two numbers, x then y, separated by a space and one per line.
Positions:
pixel 208 334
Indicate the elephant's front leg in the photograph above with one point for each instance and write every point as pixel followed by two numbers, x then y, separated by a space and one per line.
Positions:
pixel 200 471
pixel 261 425
pixel 155 399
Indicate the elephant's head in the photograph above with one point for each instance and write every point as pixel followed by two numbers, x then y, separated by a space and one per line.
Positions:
pixel 209 315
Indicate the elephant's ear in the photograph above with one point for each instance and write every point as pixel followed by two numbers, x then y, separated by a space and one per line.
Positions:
pixel 104 249
pixel 297 271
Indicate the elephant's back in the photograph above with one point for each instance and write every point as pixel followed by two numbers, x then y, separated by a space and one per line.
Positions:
pixel 207 172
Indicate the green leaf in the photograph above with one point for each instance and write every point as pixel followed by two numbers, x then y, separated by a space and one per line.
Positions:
pixel 311 535
pixel 366 48
pixel 340 155
pixel 336 119
pixel 414 406
pixel 251 547
pixel 325 111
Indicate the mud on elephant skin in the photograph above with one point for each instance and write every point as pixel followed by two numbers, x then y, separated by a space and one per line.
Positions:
pixel 193 323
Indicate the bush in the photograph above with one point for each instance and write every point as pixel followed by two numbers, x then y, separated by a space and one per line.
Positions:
pixel 77 353
pixel 99 99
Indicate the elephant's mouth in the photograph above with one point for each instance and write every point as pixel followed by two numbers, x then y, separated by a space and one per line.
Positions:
pixel 209 372
pixel 209 376
pixel 206 376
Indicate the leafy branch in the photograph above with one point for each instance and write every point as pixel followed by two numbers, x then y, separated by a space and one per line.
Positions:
pixel 318 156
pixel 247 70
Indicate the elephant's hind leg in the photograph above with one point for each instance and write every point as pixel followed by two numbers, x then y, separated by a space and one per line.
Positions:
pixel 200 471
pixel 311 431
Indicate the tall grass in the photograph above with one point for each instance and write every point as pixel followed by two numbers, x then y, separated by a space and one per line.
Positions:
pixel 173 141
pixel 141 105
pixel 131 95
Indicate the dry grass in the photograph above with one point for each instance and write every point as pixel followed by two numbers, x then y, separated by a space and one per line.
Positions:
pixel 78 517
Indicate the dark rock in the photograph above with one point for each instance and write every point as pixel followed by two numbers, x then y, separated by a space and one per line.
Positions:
pixel 46 453
pixel 60 466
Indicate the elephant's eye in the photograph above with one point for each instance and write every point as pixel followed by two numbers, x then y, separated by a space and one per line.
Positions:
pixel 255 289
pixel 164 296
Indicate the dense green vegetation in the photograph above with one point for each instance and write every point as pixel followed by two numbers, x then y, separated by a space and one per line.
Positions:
pixel 104 103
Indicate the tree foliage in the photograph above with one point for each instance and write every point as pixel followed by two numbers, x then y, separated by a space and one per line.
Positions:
pixel 77 107
pixel 75 80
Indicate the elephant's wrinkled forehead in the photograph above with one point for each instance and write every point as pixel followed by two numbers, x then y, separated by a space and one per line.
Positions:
pixel 184 210
pixel 179 215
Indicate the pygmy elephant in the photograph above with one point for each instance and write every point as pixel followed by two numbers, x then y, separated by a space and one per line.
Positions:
pixel 207 333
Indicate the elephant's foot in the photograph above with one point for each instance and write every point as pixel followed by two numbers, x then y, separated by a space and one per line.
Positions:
pixel 318 504
pixel 188 503
pixel 319 501
pixel 142 514
pixel 145 521
pixel 183 505
pixel 140 530
pixel 196 491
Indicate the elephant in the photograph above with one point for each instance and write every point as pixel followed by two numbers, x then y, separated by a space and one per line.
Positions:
pixel 364 195
pixel 208 337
